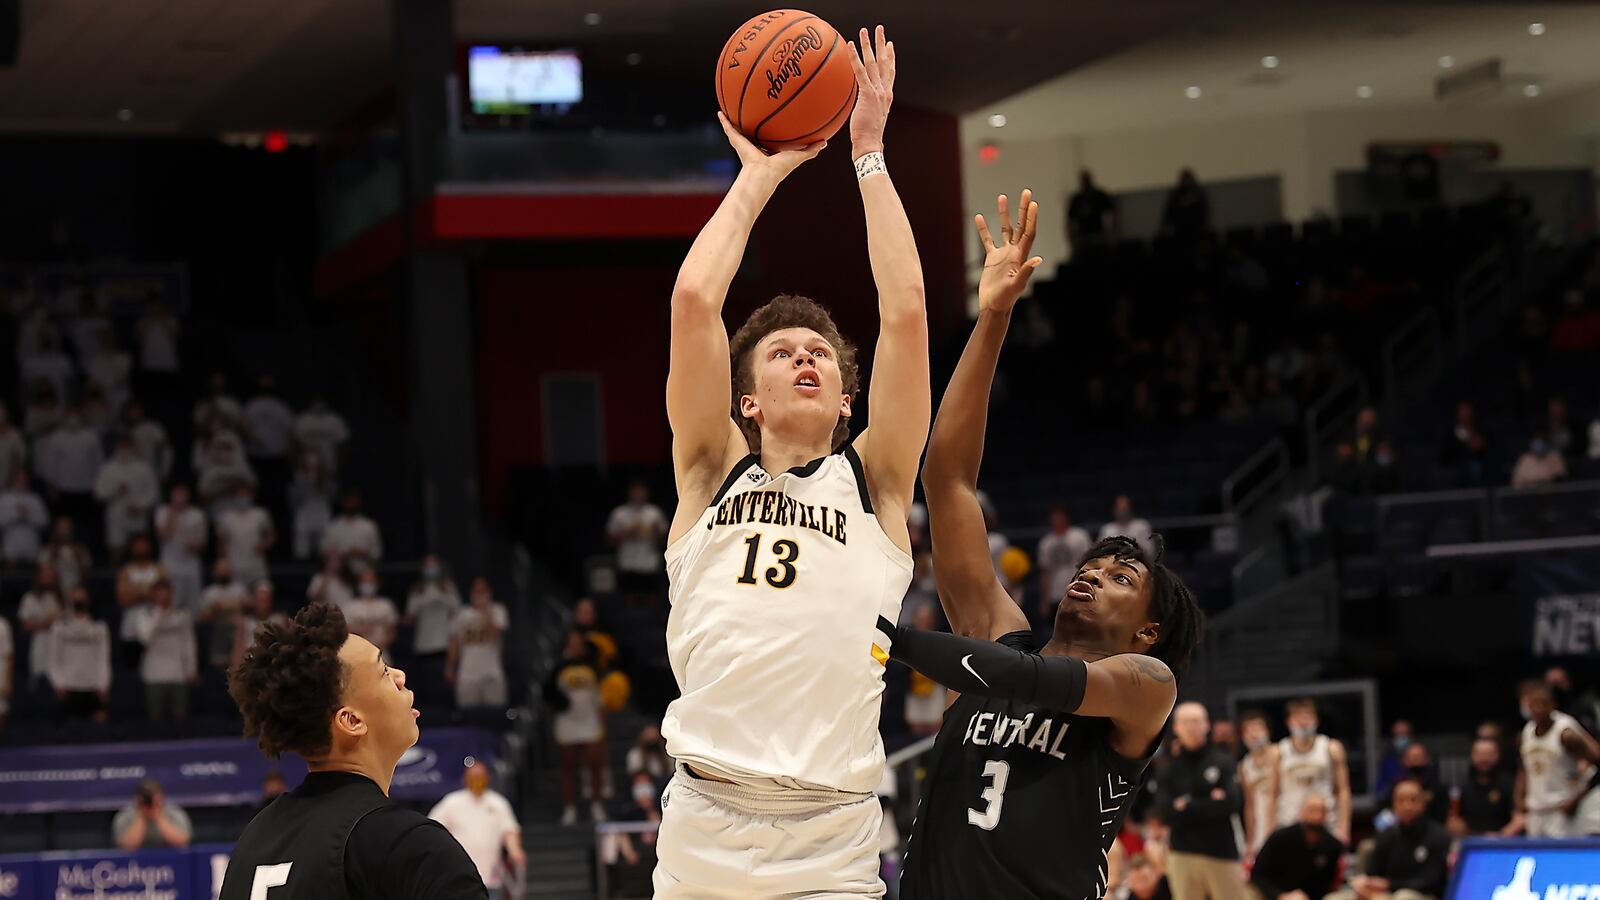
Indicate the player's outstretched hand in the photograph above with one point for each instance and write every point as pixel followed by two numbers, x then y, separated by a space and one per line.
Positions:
pixel 1006 265
pixel 780 163
pixel 874 68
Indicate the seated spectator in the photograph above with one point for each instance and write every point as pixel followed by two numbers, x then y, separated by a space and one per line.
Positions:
pixel 221 605
pixel 151 822
pixel 244 535
pixel 150 437
pixel 182 532
pixel 372 615
pixel 1124 524
pixel 1301 861
pixel 23 520
pixel 13 447
pixel 323 430
pixel 259 611
pixel 311 493
pixel 1465 449
pixel 573 693
pixel 352 534
pixel 128 487
pixel 1416 763
pixel 329 585
pixel 430 605
pixel 67 460
pixel 218 408
pixel 925 698
pixel 169 665
pixel 80 660
pixel 38 612
pixel 1409 861
pixel 1390 768
pixel 272 787
pixel 473 662
pixel 1487 796
pixel 483 823
pixel 1540 465
pixel 220 460
pixel 65 554
pixel 268 433
pixel 136 582
pixel 1566 439
pixel 1060 551
pixel 1146 881
pixel 638 529
pixel 648 756
pixel 586 621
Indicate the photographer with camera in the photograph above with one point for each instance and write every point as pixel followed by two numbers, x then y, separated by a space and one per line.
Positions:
pixel 151 822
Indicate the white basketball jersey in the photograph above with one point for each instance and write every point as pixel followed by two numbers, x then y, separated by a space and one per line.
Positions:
pixel 1300 775
pixel 1552 773
pixel 1257 778
pixel 780 596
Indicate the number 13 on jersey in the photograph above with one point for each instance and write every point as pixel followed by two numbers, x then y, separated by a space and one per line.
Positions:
pixel 784 553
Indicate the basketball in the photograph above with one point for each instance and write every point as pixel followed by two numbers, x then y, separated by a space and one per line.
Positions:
pixel 784 79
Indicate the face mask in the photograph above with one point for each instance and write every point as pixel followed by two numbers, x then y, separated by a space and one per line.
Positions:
pixel 368 589
pixel 1401 742
pixel 431 572
pixel 1256 743
pixel 1526 712
pixel 1303 731
pixel 1539 448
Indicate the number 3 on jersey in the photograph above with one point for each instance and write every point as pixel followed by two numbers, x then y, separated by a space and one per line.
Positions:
pixel 785 553
pixel 997 771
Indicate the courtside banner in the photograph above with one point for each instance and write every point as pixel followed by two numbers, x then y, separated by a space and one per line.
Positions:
pixel 204 772
pixel 192 874
pixel 1562 596
pixel 1527 870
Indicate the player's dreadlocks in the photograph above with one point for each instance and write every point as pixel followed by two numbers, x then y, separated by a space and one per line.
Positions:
pixel 1172 604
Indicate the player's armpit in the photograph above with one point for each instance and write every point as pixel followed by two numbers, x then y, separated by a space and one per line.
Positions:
pixel 1131 689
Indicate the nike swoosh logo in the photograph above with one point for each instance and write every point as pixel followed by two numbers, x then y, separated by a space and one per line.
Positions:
pixel 966 663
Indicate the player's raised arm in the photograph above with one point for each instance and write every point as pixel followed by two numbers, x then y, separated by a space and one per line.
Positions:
pixel 973 599
pixel 699 378
pixel 899 393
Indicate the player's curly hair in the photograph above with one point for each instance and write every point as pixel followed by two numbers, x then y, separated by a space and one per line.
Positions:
pixel 787 311
pixel 289 683
pixel 1172 604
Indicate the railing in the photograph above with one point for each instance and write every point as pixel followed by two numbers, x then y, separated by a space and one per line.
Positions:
pixel 1313 595
pixel 1482 287
pixel 1328 415
pixel 1502 498
pixel 1477 497
pixel 1261 473
pixel 1416 344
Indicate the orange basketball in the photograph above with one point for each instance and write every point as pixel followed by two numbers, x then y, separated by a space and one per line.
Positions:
pixel 784 79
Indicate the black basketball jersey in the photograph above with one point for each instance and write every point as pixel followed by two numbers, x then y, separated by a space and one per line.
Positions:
pixel 1019 802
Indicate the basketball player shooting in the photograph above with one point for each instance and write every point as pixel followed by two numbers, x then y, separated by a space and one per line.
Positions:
pixel 1037 762
pixel 789 553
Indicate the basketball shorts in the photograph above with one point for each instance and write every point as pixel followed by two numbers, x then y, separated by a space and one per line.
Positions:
pixel 1551 823
pixel 730 841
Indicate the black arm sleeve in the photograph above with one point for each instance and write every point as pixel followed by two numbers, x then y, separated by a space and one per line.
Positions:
pixel 399 854
pixel 988 669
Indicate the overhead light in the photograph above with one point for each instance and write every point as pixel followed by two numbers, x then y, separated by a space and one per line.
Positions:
pixel 1269 62
pixel 1536 29
pixel 633 59
pixel 1447 62
pixel 1192 92
pixel 997 120
pixel 1530 90
pixel 124 115
pixel 1364 92
pixel 591 18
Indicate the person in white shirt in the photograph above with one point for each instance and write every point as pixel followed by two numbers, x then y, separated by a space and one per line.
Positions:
pixel 221 605
pixel 648 756
pixel 1124 524
pixel 169 666
pixel 352 534
pixel 1540 464
pixel 149 437
pixel 1060 550
pixel 323 430
pixel 329 586
pixel 97 413
pixel 68 459
pixel 40 417
pixel 258 612
pixel 573 693
pixel 311 493
pixel 218 408
pixel 181 527
pixel 39 610
pixel 158 330
pixel 483 823
pixel 371 615
pixel 47 366
pixel 245 534
pixel 430 605
pixel 220 460
pixel 268 434
pixel 13 447
pixel 23 519
pixel 136 581
pixel 108 369
pixel 80 660
pixel 474 664
pixel 128 487
pixel 65 554
pixel 638 529
pixel 7 670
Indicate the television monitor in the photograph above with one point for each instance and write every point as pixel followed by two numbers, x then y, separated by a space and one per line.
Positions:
pixel 505 81
pixel 1501 869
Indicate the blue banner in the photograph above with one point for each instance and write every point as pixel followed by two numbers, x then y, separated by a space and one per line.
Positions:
pixel 192 874
pixel 1562 596
pixel 204 772
pixel 1526 870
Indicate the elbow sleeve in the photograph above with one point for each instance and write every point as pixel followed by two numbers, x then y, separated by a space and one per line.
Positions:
pixel 989 669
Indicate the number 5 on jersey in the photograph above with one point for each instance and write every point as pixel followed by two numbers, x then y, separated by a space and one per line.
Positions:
pixel 784 552
pixel 267 878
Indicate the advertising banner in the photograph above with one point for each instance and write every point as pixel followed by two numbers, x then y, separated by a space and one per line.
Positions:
pixel 1526 870
pixel 1563 600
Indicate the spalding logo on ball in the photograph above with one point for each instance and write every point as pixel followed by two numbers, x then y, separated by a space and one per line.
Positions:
pixel 784 80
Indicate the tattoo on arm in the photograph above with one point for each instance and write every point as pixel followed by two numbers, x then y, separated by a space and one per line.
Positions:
pixel 1140 666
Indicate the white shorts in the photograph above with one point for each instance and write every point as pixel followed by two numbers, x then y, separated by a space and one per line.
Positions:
pixel 727 841
pixel 1550 824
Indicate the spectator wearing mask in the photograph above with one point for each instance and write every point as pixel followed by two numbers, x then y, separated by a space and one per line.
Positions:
pixel 169 665
pixel 352 534
pixel 473 663
pixel 1258 777
pixel 220 460
pixel 136 581
pixel 1554 747
pixel 329 585
pixel 638 529
pixel 23 520
pixel 648 756
pixel 1488 796
pixel 150 822
pixel 221 605
pixel 1312 763
pixel 323 430
pixel 128 487
pixel 150 438
pixel 1409 861
pixel 1059 553
pixel 65 554
pixel 1465 450
pixel 218 408
pixel 1187 213
pixel 1541 464
pixel 13 448
pixel 1391 770
pixel 259 612
pixel 1417 763
pixel 182 531
pixel 1198 797
pixel 68 460
pixel 1125 524
pixel 573 693
pixel 1300 861
pixel 80 660
pixel 244 535
pixel 1091 216
pixel 431 604
pixel 925 698
pixel 311 501
pixel 268 434
pixel 372 615
pixel 37 614
pixel 483 823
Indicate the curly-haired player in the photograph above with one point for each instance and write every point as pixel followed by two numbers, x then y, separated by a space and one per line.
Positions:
pixel 308 686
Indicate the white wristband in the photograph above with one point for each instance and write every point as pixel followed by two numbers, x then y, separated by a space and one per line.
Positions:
pixel 870 164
